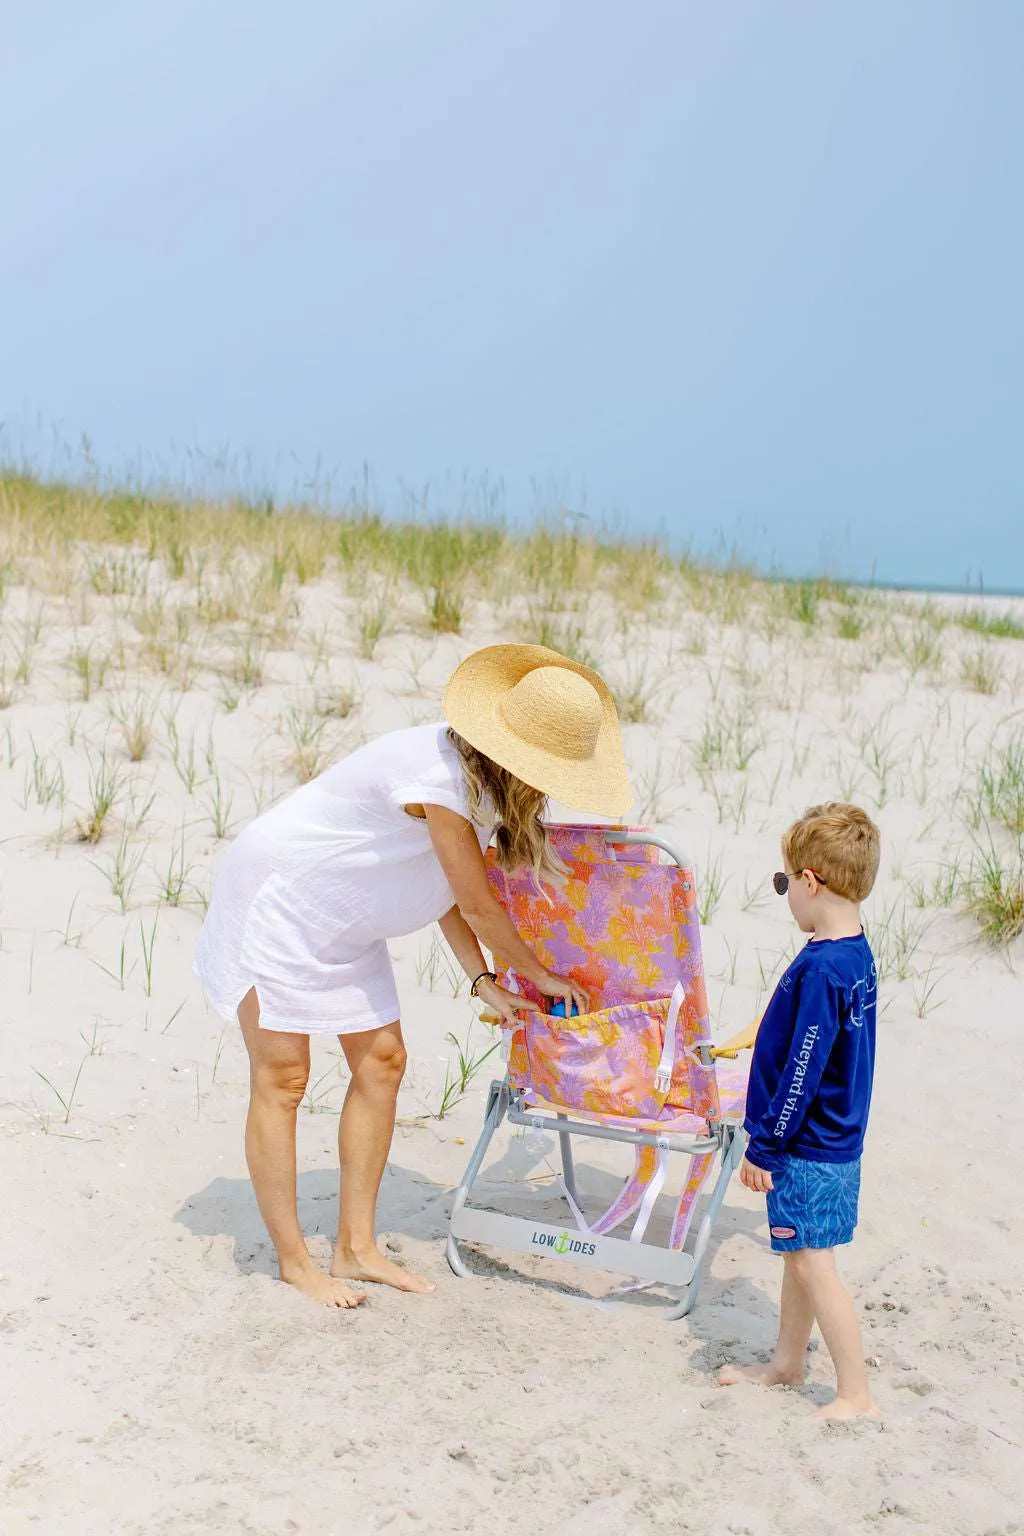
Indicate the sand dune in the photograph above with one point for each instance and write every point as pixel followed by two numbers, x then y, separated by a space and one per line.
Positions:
pixel 157 1378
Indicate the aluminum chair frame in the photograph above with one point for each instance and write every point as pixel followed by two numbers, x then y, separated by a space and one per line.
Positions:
pixel 644 1262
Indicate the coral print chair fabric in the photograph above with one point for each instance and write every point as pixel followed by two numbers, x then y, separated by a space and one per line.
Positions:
pixel 626 928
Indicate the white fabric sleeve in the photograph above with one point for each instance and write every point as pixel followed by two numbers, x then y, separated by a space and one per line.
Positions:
pixel 429 794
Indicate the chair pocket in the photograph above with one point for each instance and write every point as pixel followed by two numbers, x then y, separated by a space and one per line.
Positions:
pixel 611 1062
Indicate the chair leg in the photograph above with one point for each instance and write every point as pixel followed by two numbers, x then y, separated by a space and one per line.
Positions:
pixel 568 1166
pixel 732 1154
pixel 497 1105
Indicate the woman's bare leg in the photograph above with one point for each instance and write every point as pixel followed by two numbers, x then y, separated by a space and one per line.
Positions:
pixel 376 1058
pixel 278 1073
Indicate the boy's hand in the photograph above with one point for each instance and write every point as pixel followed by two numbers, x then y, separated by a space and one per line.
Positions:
pixel 757 1179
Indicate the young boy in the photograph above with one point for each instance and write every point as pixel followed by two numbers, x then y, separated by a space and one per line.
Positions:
pixel 807 1102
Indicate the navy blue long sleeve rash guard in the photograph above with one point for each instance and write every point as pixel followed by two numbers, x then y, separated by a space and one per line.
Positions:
pixel 814 1058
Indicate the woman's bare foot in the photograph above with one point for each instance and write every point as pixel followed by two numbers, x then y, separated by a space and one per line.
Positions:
pixel 843 1408
pixel 370 1264
pixel 762 1375
pixel 326 1289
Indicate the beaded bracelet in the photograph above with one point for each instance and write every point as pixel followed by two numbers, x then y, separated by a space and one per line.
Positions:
pixel 484 976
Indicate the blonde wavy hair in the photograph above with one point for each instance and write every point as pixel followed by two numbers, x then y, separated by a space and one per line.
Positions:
pixel 520 838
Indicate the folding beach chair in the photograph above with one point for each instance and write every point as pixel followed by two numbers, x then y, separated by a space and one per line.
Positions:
pixel 641 1068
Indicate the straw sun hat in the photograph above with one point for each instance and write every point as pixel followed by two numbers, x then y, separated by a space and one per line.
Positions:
pixel 548 720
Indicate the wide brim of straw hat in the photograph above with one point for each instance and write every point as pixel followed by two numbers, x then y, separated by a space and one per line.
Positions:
pixel 588 777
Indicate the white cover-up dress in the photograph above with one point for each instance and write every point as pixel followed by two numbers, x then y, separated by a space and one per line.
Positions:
pixel 308 894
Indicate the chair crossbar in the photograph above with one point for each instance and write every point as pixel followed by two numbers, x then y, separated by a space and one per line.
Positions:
pixel 664 1140
pixel 640 1261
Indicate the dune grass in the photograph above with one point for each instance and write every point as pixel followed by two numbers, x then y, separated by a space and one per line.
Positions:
pixel 289 616
pixel 1000 626
pixel 994 894
pixel 179 569
pixel 238 555
pixel 1000 792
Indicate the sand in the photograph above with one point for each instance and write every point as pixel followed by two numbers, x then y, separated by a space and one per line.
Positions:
pixel 156 1376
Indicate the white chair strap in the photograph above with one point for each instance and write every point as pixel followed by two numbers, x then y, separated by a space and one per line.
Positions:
pixel 663 1076
pixel 649 1200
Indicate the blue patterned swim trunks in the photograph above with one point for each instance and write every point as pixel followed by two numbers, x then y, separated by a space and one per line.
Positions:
pixel 812 1205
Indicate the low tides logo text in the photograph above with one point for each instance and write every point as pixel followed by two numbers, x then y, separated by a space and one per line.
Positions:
pixel 563 1243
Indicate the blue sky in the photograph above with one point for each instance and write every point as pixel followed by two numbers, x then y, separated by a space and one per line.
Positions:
pixel 747 274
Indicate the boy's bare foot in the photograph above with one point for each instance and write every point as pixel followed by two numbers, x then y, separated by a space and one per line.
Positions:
pixel 762 1375
pixel 326 1289
pixel 843 1408
pixel 372 1265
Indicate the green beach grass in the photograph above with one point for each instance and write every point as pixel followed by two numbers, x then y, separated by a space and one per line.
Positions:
pixel 207 593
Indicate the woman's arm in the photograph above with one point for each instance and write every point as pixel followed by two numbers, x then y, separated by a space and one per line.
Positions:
pixel 458 852
pixel 463 943
pixel 464 946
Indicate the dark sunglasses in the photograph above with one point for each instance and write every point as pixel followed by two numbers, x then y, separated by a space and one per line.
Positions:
pixel 780 880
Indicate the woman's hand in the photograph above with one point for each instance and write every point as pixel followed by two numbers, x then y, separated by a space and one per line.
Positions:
pixel 562 987
pixel 507 1005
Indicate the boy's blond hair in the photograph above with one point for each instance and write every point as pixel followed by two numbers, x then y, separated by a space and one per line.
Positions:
pixel 840 843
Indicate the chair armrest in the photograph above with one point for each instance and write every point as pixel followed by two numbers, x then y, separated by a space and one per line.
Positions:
pixel 744 1041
